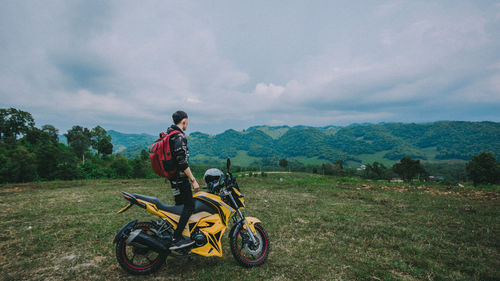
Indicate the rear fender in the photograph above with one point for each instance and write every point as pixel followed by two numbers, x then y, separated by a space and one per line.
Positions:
pixel 131 198
pixel 121 234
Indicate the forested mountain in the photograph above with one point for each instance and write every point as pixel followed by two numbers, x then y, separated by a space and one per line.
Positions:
pixel 30 153
pixel 130 145
pixel 359 143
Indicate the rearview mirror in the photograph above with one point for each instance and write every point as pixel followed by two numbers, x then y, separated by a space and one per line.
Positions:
pixel 228 164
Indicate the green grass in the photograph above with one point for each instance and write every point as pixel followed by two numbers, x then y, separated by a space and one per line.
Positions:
pixel 430 152
pixel 202 158
pixel 243 159
pixel 321 228
pixel 310 160
pixel 274 133
pixel 376 157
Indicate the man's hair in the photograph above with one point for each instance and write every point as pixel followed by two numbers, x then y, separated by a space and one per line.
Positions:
pixel 178 116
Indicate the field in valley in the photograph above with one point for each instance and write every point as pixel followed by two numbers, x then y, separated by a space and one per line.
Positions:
pixel 320 227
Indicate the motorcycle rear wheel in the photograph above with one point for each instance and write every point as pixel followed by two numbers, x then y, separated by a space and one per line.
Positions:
pixel 245 252
pixel 137 260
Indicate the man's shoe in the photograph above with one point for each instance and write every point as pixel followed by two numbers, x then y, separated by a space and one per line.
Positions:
pixel 182 243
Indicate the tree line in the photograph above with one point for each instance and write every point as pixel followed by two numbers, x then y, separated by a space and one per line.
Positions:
pixel 482 168
pixel 28 153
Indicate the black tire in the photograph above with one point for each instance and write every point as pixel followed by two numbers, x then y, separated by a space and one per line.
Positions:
pixel 238 247
pixel 152 260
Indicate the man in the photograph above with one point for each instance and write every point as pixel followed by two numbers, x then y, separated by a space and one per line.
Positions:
pixel 181 187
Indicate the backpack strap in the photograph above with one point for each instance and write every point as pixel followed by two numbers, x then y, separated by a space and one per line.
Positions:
pixel 173 133
pixel 163 135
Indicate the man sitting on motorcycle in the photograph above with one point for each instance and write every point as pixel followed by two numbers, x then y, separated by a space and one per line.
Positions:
pixel 181 187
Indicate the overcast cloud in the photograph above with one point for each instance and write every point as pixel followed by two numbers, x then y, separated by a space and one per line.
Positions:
pixel 127 65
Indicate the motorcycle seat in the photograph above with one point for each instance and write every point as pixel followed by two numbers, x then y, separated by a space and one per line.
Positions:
pixel 169 208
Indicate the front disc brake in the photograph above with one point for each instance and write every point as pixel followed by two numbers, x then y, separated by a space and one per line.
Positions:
pixel 251 248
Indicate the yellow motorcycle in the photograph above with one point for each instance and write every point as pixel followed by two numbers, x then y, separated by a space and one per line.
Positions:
pixel 142 247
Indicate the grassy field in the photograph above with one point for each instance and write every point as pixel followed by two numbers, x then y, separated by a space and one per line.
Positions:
pixel 377 157
pixel 321 228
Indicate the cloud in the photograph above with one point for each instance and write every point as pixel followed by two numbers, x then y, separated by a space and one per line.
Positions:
pixel 269 91
pixel 127 65
pixel 436 58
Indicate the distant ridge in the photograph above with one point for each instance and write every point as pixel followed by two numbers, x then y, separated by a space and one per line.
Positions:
pixel 356 143
pixel 130 145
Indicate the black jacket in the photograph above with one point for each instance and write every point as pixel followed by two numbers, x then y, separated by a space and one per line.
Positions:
pixel 180 151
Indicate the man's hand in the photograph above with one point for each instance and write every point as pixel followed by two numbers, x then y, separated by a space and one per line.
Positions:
pixel 196 186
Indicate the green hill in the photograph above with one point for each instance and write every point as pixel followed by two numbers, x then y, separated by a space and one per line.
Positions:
pixel 130 145
pixel 355 144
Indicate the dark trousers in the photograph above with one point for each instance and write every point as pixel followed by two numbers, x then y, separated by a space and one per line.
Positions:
pixel 183 196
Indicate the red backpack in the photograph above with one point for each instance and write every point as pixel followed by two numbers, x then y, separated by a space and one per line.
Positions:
pixel 161 156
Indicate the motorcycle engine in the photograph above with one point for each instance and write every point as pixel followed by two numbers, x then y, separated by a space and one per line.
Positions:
pixel 199 239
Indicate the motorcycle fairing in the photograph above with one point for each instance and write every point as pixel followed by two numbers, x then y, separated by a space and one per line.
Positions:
pixel 213 229
pixel 225 211
pixel 174 218
pixel 211 225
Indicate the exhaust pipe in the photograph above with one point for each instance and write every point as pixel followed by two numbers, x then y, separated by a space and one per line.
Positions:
pixel 140 239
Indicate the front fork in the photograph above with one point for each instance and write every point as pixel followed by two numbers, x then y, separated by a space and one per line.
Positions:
pixel 249 230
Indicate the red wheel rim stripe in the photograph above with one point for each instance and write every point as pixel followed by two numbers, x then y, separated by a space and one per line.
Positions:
pixel 238 246
pixel 135 267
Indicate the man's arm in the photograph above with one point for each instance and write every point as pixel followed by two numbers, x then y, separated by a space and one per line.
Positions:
pixel 180 152
pixel 196 186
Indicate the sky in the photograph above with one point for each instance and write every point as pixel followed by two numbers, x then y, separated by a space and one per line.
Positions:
pixel 128 65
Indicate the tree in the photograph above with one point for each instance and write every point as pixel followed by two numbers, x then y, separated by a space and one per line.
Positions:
pixel 52 132
pixel 37 137
pixel 47 160
pixel 139 168
pixel 448 172
pixel 483 169
pixel 283 163
pixel 408 168
pixel 121 167
pixel 22 165
pixel 14 122
pixel 66 166
pixel 92 170
pixel 104 146
pixel 327 169
pixel 4 168
pixel 101 141
pixel 377 171
pixel 335 168
pixel 144 155
pixel 339 164
pixel 79 140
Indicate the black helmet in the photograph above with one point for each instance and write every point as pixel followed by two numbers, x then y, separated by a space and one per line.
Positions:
pixel 214 178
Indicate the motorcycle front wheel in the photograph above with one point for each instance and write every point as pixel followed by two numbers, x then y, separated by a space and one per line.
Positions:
pixel 137 259
pixel 246 252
